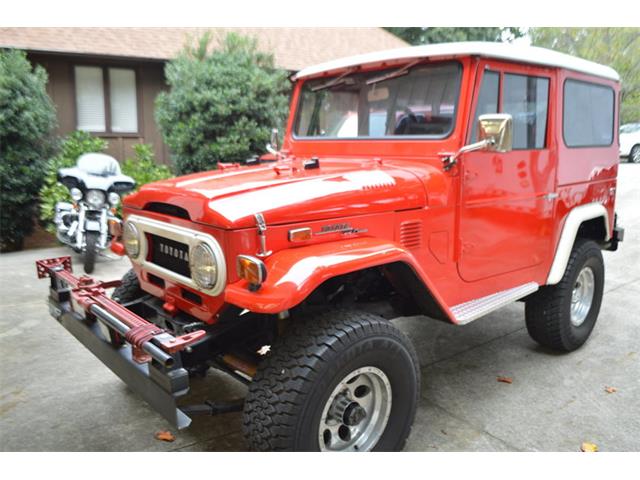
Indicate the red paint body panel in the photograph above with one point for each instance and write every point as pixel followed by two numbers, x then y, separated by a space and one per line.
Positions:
pixel 484 226
pixel 339 188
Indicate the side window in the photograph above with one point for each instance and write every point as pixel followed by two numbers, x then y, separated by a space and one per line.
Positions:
pixel 487 99
pixel 587 114
pixel 527 99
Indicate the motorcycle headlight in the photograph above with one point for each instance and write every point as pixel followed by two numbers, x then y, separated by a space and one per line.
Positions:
pixel 114 199
pixel 76 194
pixel 95 198
pixel 131 239
pixel 204 270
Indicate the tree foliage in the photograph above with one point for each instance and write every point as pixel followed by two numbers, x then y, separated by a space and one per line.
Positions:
pixel 143 168
pixel 27 120
pixel 222 104
pixel 424 35
pixel 617 47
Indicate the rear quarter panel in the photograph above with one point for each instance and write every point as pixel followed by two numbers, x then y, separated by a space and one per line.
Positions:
pixel 585 174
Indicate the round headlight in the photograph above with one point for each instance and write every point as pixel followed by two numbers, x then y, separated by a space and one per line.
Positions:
pixel 131 239
pixel 95 198
pixel 114 199
pixel 204 269
pixel 76 194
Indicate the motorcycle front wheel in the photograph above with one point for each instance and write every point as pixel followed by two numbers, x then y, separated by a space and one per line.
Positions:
pixel 91 251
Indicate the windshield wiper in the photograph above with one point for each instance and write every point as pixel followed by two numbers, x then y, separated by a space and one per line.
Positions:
pixel 396 73
pixel 333 82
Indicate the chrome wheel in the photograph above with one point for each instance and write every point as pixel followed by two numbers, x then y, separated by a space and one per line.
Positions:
pixel 357 411
pixel 582 296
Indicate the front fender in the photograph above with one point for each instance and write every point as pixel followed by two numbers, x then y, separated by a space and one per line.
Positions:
pixel 294 273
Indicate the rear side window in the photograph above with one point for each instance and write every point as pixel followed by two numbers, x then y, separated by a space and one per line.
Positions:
pixel 527 99
pixel 587 114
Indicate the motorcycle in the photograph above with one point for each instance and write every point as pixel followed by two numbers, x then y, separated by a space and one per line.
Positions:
pixel 95 184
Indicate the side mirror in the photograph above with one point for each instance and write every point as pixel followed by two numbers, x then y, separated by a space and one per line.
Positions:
pixel 496 130
pixel 496 135
pixel 274 142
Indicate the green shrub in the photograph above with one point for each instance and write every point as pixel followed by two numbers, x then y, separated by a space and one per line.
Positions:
pixel 143 168
pixel 222 104
pixel 72 146
pixel 27 120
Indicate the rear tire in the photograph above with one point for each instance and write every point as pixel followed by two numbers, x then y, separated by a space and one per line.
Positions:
pixel 562 316
pixel 634 155
pixel 334 376
pixel 91 250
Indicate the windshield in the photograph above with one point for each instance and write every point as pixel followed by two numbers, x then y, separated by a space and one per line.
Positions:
pixel 421 101
pixel 630 128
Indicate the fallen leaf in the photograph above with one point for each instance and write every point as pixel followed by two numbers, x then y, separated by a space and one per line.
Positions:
pixel 165 436
pixel 505 379
pixel 610 389
pixel 588 447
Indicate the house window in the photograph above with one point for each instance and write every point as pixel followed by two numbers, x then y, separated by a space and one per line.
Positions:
pixel 106 100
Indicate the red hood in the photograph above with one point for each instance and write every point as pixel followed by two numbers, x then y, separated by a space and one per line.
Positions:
pixel 338 188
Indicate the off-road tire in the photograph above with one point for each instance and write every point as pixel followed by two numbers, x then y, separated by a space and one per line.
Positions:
pixel 91 250
pixel 548 311
pixel 634 154
pixel 129 290
pixel 283 408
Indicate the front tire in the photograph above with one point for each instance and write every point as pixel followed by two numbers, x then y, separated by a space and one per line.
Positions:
pixel 340 380
pixel 562 316
pixel 91 251
pixel 129 290
pixel 634 155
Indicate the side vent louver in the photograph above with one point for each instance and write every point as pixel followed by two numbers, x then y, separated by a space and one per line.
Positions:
pixel 411 234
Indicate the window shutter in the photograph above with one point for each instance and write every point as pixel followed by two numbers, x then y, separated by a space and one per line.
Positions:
pixel 90 99
pixel 123 99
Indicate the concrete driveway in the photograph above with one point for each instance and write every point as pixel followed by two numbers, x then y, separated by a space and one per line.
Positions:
pixel 56 396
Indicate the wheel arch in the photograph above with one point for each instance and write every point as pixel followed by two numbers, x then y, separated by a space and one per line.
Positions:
pixel 293 275
pixel 589 221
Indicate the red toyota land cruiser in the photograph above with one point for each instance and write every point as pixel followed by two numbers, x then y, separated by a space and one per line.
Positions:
pixel 443 180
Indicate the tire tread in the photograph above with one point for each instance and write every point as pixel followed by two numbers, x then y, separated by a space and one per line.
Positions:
pixel 282 384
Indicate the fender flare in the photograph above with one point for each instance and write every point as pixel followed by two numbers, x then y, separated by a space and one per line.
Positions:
pixel 574 219
pixel 293 274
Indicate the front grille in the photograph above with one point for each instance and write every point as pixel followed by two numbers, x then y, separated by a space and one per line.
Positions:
pixel 170 254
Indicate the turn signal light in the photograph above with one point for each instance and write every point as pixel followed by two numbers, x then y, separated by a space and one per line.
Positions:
pixel 115 228
pixel 300 234
pixel 253 270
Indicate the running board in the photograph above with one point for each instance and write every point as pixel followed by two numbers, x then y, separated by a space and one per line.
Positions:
pixel 468 311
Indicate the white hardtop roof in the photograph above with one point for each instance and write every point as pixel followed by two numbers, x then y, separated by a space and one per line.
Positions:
pixel 502 51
